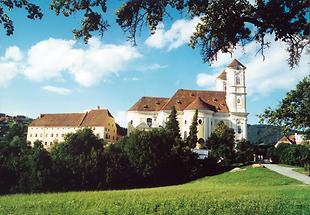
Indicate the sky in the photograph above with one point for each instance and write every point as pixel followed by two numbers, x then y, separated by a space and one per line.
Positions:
pixel 44 70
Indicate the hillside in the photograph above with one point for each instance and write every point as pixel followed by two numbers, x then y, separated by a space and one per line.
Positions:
pixel 251 191
pixel 263 134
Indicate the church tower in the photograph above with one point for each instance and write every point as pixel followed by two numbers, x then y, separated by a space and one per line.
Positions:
pixel 236 90
pixel 232 81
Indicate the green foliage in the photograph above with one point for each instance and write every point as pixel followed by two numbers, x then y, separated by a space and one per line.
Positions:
pixel 172 125
pixel 292 154
pixel 149 152
pixel 192 138
pixel 221 143
pixel 92 20
pixel 293 111
pixel 36 175
pixel 34 12
pixel 252 191
pixel 223 24
pixel 77 162
pixel 244 151
pixel 226 24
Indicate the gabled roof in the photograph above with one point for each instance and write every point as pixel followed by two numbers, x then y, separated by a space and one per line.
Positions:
pixel 199 104
pixel 59 119
pixel 183 98
pixel 97 118
pixel 92 118
pixel 149 104
pixel 290 139
pixel 222 75
pixel 235 64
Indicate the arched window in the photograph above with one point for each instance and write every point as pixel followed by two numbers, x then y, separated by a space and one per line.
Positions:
pixel 238 100
pixel 200 121
pixel 185 135
pixel 238 81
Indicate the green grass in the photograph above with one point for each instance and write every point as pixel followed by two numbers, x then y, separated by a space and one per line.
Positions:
pixel 253 191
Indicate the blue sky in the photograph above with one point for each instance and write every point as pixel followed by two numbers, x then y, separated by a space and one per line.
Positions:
pixel 43 70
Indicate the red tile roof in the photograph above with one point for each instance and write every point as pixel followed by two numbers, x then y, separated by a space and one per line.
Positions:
pixel 185 100
pixel 93 118
pixel 235 64
pixel 199 104
pixel 290 139
pixel 149 104
pixel 222 75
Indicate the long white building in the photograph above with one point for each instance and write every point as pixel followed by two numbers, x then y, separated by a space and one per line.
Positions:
pixel 227 104
pixel 52 128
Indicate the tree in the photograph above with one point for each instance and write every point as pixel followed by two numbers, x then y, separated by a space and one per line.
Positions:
pixel 192 138
pixel 221 143
pixel 77 162
pixel 293 111
pixel 35 177
pixel 244 151
pixel 150 154
pixel 172 125
pixel 223 26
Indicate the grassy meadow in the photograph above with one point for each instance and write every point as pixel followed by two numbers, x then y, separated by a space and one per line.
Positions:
pixel 252 191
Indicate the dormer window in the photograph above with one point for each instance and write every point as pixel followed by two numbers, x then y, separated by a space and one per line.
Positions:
pixel 179 102
pixel 145 106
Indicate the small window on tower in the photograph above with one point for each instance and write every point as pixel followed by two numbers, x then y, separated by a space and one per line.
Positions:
pixel 238 100
pixel 239 130
pixel 238 81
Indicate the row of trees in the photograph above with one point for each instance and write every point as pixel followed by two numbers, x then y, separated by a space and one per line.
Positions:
pixel 145 158
pixel 291 154
pixel 82 162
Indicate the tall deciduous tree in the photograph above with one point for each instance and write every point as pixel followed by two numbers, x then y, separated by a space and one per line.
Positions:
pixel 221 143
pixel 223 24
pixel 293 111
pixel 192 138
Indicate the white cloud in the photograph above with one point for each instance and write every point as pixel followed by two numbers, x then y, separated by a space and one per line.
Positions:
pixel 12 53
pixel 208 80
pixel 262 76
pixel 179 34
pixel 57 90
pixel 52 58
pixel 9 65
pixel 121 118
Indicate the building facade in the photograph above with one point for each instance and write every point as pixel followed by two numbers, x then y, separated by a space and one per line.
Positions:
pixel 52 128
pixel 227 104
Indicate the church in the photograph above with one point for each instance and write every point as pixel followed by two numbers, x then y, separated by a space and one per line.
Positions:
pixel 227 104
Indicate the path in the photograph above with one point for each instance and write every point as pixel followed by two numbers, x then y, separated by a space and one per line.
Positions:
pixel 289 172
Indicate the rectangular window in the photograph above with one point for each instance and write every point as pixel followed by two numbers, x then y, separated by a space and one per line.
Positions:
pixel 52 135
pixel 36 135
pixel 56 135
pixel 62 135
pixel 239 129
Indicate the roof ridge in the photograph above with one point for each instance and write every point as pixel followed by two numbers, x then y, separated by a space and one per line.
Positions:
pixel 83 118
